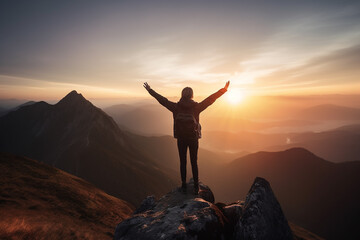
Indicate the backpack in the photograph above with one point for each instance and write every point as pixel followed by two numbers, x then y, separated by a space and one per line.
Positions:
pixel 186 126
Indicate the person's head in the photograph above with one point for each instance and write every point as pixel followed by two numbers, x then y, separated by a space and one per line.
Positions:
pixel 187 93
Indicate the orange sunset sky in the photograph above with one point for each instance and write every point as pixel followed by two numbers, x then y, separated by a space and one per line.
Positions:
pixel 106 49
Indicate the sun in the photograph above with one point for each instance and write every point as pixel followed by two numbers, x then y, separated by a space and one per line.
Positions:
pixel 235 96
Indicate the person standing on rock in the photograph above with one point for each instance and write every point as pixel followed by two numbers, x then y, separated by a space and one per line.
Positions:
pixel 187 129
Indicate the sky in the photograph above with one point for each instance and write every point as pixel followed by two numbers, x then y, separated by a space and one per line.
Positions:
pixel 108 48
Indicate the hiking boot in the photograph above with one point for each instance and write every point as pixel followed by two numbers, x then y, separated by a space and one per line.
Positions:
pixel 196 188
pixel 183 187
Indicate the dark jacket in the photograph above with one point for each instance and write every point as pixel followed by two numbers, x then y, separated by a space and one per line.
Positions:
pixel 187 105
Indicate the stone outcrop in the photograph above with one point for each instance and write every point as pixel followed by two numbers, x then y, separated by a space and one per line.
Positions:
pixel 262 217
pixel 179 215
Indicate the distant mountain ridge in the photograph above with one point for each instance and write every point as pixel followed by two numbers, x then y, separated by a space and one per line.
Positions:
pixel 355 128
pixel 148 119
pixel 338 145
pixel 81 139
pixel 4 111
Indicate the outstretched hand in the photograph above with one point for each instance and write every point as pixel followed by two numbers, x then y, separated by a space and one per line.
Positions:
pixel 227 85
pixel 147 86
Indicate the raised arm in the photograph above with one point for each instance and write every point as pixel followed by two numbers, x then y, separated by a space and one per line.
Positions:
pixel 212 98
pixel 162 100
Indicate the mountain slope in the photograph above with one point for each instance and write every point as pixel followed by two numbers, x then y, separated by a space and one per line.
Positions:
pixel 81 139
pixel 355 128
pixel 41 202
pixel 338 145
pixel 3 111
pixel 316 194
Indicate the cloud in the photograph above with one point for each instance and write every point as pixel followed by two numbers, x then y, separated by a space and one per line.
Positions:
pixel 165 65
pixel 337 68
pixel 316 50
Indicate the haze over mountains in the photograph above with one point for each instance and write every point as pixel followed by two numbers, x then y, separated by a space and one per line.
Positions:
pixel 144 119
pixel 261 114
pixel 334 144
pixel 326 112
pixel 337 145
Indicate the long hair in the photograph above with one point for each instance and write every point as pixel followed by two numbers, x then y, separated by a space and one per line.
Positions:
pixel 187 93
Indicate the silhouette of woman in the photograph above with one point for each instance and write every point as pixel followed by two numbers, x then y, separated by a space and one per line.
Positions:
pixel 187 129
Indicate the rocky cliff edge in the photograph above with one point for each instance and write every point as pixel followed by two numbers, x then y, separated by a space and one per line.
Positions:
pixel 180 215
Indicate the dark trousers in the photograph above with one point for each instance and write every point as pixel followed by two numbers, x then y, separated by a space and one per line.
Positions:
pixel 193 145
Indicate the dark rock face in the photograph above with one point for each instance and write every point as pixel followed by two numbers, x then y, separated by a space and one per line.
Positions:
pixel 262 216
pixel 176 215
pixel 179 215
pixel 233 212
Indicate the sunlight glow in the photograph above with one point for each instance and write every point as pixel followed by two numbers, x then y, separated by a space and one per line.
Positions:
pixel 235 96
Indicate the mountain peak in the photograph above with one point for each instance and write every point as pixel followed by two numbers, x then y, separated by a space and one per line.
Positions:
pixel 299 150
pixel 73 97
pixel 73 92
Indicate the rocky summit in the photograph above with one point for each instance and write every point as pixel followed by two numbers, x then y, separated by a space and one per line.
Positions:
pixel 179 215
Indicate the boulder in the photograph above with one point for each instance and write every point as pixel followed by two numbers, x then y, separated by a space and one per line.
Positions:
pixel 233 211
pixel 262 216
pixel 176 215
